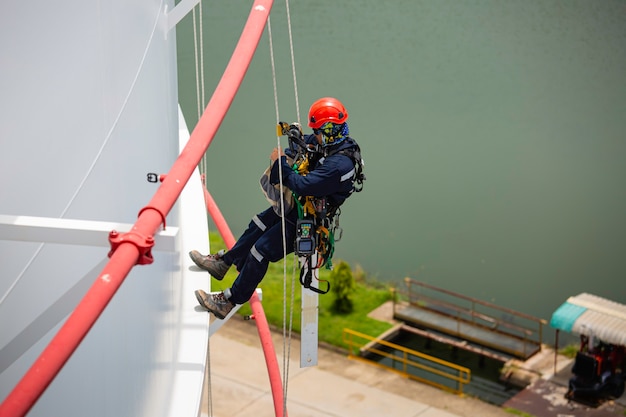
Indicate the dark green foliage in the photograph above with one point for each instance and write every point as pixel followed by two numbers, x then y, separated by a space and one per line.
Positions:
pixel 342 286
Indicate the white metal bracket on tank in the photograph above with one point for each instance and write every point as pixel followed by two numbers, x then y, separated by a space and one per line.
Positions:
pixel 309 318
pixel 73 232
pixel 179 12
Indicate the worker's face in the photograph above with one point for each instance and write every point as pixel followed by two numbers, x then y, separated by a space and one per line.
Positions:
pixel 320 139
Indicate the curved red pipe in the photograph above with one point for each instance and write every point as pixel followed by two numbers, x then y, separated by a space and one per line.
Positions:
pixel 218 218
pixel 257 310
pixel 130 251
pixel 270 354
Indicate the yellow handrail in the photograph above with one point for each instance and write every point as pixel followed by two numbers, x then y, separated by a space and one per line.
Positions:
pixel 459 374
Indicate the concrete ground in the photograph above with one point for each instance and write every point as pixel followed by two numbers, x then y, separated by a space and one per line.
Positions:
pixel 337 386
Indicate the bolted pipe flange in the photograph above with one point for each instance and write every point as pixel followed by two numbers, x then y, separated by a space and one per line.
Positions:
pixel 143 243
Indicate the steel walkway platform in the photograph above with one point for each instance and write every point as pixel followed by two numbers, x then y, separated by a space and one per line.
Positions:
pixel 468 323
pixel 464 335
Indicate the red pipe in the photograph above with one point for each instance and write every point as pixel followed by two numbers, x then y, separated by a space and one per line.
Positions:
pixel 218 218
pixel 270 354
pixel 130 251
pixel 257 311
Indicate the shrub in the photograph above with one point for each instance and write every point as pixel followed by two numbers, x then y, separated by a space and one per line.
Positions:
pixel 342 286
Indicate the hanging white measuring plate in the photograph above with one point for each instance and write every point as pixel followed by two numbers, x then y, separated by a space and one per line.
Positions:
pixel 309 316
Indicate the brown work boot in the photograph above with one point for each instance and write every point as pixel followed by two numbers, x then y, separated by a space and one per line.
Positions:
pixel 213 263
pixel 215 302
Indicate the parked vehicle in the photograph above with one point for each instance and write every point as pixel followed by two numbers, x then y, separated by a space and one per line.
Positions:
pixel 598 371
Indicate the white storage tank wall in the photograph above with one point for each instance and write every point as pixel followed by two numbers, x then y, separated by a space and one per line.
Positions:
pixel 89 107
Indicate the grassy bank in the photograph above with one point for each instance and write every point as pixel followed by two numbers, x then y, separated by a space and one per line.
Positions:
pixel 366 297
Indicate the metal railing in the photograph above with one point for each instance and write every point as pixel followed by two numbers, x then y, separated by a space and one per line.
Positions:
pixel 469 310
pixel 407 362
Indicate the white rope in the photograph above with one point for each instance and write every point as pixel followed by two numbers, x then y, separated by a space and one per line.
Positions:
pixel 195 66
pixel 209 392
pixel 199 69
pixel 282 217
pixel 293 275
pixel 293 61
pixel 286 335
pixel 200 100
pixel 269 33
pixel 202 89
pixel 295 90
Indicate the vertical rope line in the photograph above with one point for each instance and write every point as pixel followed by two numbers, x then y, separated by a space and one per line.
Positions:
pixel 282 208
pixel 283 226
pixel 198 48
pixel 295 88
pixel 209 391
pixel 293 292
pixel 195 67
pixel 196 63
pixel 202 89
pixel 271 45
pixel 293 61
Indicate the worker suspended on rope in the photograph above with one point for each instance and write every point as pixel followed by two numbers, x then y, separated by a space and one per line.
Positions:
pixel 330 170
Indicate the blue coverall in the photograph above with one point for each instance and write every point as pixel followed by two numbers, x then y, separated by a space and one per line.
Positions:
pixel 262 242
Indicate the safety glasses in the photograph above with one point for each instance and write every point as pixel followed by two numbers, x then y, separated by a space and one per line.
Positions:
pixel 328 129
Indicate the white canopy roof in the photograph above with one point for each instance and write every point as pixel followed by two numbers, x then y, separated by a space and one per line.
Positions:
pixel 589 314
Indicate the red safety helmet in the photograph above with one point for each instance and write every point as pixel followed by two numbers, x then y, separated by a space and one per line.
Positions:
pixel 326 110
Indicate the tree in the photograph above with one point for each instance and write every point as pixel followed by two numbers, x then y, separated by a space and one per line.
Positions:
pixel 342 286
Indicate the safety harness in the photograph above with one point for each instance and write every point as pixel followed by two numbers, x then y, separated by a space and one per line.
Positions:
pixel 317 228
